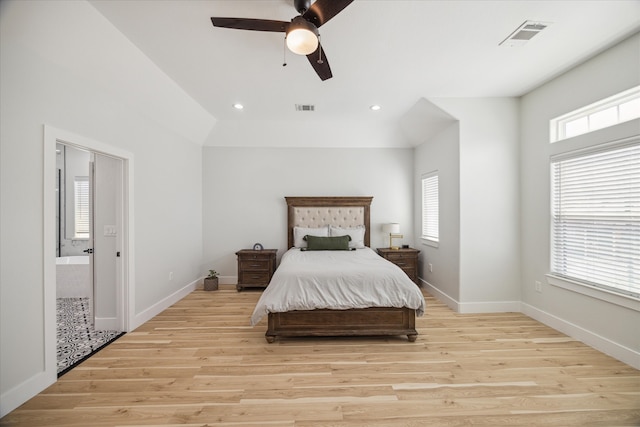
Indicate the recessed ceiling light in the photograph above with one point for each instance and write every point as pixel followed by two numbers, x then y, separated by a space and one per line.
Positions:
pixel 238 106
pixel 375 107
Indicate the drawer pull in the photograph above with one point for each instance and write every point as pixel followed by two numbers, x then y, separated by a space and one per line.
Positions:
pixel 256 265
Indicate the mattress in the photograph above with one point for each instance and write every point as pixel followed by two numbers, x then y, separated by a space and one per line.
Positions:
pixel 338 280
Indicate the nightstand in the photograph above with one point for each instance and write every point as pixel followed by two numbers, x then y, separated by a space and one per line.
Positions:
pixel 255 268
pixel 405 258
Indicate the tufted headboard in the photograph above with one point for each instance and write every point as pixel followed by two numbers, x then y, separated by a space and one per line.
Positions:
pixel 338 211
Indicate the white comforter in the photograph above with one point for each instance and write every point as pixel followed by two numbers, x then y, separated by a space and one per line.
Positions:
pixel 308 280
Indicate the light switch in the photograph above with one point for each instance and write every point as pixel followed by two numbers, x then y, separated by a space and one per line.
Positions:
pixel 110 230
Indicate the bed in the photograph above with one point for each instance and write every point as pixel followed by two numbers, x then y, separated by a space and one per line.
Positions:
pixel 336 298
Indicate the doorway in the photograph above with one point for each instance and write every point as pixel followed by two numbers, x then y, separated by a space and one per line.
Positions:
pixel 89 232
pixel 90 222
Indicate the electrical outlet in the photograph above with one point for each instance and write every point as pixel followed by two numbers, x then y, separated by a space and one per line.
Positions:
pixel 430 268
pixel 171 275
pixel 538 286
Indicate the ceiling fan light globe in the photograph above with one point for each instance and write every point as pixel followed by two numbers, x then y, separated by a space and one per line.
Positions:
pixel 302 41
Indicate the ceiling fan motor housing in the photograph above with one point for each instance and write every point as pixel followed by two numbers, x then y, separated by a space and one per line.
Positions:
pixel 301 5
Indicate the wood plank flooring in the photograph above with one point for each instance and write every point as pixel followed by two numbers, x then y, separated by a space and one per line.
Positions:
pixel 199 363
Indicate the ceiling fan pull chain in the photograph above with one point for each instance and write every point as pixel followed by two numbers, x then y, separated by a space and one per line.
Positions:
pixel 284 52
pixel 320 61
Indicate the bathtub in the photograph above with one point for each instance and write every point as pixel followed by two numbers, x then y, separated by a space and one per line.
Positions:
pixel 67 260
pixel 73 277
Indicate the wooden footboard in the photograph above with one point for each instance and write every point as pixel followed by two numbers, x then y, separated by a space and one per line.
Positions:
pixel 353 322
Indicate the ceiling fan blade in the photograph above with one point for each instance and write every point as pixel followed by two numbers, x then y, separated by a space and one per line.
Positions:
pixel 251 24
pixel 323 10
pixel 319 63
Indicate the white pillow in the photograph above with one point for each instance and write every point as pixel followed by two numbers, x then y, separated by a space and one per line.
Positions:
pixel 300 232
pixel 356 233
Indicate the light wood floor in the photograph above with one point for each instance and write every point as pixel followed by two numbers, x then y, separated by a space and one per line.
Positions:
pixel 199 363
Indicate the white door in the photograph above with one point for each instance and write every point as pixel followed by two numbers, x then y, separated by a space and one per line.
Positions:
pixel 107 214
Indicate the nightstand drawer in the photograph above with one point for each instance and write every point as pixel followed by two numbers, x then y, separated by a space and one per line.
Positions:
pixel 254 277
pixel 402 260
pixel 254 264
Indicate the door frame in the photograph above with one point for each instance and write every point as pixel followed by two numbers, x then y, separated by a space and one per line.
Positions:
pixel 127 275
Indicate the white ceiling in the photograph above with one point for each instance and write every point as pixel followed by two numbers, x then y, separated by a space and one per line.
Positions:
pixel 387 52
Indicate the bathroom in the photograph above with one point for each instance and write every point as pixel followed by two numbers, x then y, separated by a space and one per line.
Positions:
pixel 73 279
pixel 88 314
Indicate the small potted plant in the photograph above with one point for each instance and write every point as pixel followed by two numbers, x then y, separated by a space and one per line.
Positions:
pixel 211 281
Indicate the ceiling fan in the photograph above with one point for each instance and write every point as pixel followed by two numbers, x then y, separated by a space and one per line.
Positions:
pixel 302 36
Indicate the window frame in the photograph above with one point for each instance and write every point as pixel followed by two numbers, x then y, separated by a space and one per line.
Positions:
pixel 620 296
pixel 427 232
pixel 558 125
pixel 81 208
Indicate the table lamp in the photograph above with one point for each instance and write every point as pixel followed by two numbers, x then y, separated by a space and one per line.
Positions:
pixel 393 229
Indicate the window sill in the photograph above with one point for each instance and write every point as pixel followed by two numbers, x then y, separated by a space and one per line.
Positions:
pixel 594 292
pixel 429 242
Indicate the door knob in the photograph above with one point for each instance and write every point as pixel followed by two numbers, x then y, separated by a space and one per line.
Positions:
pixel 89 251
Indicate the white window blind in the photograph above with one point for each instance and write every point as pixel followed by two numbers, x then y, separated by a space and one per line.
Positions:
pixel 81 207
pixel 430 209
pixel 596 219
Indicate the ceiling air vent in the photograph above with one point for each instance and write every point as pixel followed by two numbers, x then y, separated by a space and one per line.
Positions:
pixel 524 33
pixel 305 107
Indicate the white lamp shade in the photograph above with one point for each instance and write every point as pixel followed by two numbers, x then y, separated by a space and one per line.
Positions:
pixel 302 36
pixel 302 41
pixel 391 228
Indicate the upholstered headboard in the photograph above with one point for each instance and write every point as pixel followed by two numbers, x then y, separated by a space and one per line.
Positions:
pixel 319 211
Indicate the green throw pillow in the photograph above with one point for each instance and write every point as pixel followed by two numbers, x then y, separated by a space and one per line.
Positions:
pixel 338 243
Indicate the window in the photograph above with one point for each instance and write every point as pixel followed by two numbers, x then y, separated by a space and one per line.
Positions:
pixel 430 211
pixel 616 109
pixel 596 218
pixel 81 207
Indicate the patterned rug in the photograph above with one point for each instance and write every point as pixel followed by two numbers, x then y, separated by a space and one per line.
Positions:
pixel 77 340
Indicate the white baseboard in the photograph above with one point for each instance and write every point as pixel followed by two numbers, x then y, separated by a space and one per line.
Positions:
pixel 19 394
pixel 106 324
pixel 490 307
pixel 222 280
pixel 473 307
pixel 620 352
pixel 228 280
pixel 163 304
pixel 441 296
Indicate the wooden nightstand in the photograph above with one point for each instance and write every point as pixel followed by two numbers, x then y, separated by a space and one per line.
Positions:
pixel 405 258
pixel 255 268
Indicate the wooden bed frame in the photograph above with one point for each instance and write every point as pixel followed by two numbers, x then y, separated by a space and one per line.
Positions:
pixel 354 322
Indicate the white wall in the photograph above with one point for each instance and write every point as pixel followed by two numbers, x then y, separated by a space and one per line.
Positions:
pixel 489 270
pixel 244 190
pixel 441 153
pixel 606 326
pixel 64 64
pixel 305 132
